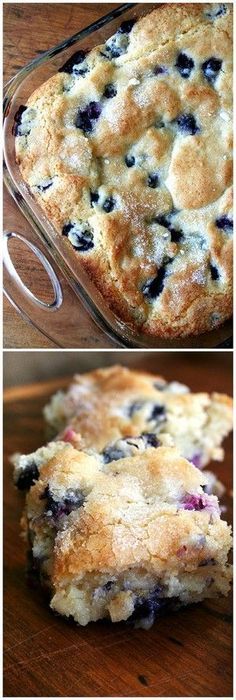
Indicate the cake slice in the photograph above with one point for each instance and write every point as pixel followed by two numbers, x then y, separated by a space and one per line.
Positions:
pixel 127 539
pixel 101 409
pixel 108 404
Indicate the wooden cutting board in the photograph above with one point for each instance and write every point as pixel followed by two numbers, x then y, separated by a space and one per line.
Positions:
pixel 185 654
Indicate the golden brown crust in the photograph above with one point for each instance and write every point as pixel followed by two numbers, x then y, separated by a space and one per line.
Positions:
pixel 194 168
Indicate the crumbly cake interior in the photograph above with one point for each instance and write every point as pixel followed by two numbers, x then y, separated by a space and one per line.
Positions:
pixel 128 149
pixel 126 539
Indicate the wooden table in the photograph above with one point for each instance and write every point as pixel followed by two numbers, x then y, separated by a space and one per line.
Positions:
pixel 30 29
pixel 185 654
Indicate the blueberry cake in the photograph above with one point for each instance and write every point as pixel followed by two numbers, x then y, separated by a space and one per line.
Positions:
pixel 128 150
pixel 108 404
pixel 116 411
pixel 127 539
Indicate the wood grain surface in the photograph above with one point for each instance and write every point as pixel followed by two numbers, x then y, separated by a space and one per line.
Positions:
pixel 30 29
pixel 186 654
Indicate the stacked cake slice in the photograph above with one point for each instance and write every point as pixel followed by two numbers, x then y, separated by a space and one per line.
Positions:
pixel 106 405
pixel 122 526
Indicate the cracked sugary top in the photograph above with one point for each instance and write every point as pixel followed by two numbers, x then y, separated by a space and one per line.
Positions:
pixel 128 150
pixel 134 512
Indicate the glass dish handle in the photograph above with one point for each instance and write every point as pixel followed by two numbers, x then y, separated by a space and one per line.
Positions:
pixel 66 328
pixel 14 288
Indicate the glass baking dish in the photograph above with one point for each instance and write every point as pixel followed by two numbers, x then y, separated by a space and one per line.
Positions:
pixel 17 91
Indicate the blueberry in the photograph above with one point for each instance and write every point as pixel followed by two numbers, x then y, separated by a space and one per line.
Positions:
pixel 23 125
pixel 80 71
pixel 56 509
pixel 43 188
pixel 192 502
pixel 51 504
pixel 153 288
pixel 126 447
pixel 87 117
pixel 158 413
pixel 175 234
pixel 109 204
pixel 94 197
pixel 79 236
pixel 129 161
pixel 214 272
pixel 110 91
pixel 114 51
pixel 71 65
pixel 108 585
pixel 163 220
pixel 223 222
pixel 112 454
pixel 149 607
pixel 184 65
pixel 187 124
pixel 151 440
pixel 153 180
pixel 67 228
pixel 73 502
pixel 27 477
pixel 216 11
pixel 126 26
pixel 17 120
pixel 206 487
pixel 159 70
pixel 117 45
pixel 211 68
pixel 199 502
